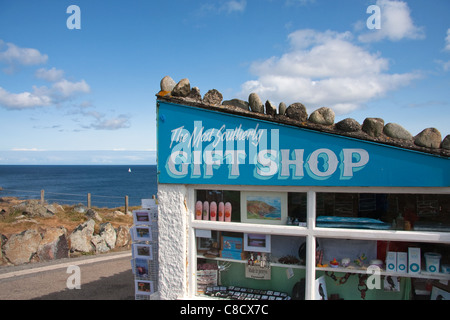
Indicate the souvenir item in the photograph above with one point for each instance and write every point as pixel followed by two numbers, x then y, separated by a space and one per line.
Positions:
pixel 227 211
pixel 198 210
pixel 213 211
pixel 206 210
pixel 221 211
pixel 345 262
pixel 334 263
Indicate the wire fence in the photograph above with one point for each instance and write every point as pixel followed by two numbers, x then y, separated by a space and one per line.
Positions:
pixel 68 198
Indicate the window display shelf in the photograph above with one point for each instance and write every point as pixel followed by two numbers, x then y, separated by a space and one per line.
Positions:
pixel 286 230
pixel 422 275
pixel 272 264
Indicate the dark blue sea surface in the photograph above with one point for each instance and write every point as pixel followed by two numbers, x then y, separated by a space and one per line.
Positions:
pixel 70 184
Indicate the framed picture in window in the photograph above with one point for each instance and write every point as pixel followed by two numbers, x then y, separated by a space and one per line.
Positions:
pixel 264 207
pixel 257 242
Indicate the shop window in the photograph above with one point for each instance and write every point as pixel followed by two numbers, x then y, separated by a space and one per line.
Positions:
pixel 263 207
pixel 420 212
pixel 381 270
pixel 249 266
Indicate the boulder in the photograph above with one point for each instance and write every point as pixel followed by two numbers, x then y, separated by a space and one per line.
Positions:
pixel 271 109
pixel 237 103
pixel 348 125
pixel 115 214
pixel 324 116
pixel 108 233
pixel 446 143
pixel 182 88
pixel 123 238
pixel 100 245
pixel 297 111
pixel 255 103
pixel 282 108
pixel 54 244
pixel 195 95
pixel 80 238
pixel 213 98
pixel 396 131
pixel 80 208
pixel 167 84
pixel 34 208
pixel 92 214
pixel 21 248
pixel 429 138
pixel 373 126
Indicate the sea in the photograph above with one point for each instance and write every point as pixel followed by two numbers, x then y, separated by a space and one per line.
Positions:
pixel 108 185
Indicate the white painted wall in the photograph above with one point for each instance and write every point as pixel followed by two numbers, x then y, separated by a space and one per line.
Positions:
pixel 172 223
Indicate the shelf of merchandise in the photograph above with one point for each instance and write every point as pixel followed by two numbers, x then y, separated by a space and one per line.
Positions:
pixel 311 232
pixel 353 269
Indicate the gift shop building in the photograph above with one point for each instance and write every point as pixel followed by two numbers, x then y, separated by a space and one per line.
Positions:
pixel 267 205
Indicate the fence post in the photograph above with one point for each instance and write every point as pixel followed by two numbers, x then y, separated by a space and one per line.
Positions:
pixel 42 196
pixel 126 204
pixel 89 200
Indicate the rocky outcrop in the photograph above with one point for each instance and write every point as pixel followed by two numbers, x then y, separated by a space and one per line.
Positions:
pixel 372 129
pixel 55 243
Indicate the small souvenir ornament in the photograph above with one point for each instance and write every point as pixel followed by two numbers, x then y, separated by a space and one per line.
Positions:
pixel 206 210
pixel 198 210
pixel 345 262
pixel 213 211
pixel 221 213
pixel 334 263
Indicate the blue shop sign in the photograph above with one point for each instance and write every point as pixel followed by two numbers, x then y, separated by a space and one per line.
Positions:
pixel 202 146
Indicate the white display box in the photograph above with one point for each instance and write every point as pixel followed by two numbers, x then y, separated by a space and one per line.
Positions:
pixel 414 265
pixel 391 261
pixel 402 262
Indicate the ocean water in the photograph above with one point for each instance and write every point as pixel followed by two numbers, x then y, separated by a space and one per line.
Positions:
pixel 70 184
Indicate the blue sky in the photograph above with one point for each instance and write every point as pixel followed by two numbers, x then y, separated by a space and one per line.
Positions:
pixel 92 90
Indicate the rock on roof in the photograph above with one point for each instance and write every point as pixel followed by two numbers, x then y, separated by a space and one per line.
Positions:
pixel 428 140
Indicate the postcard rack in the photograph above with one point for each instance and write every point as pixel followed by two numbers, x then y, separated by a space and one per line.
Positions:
pixel 144 260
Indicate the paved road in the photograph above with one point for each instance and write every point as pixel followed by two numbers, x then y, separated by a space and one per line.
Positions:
pixel 103 277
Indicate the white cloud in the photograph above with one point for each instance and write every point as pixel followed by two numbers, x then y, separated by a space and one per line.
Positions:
pixel 396 23
pixel 12 56
pixel 23 100
pixel 43 96
pixel 324 69
pixel 228 6
pixel 120 122
pixel 67 88
pixel 447 41
pixel 102 122
pixel 50 75
pixel 60 90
